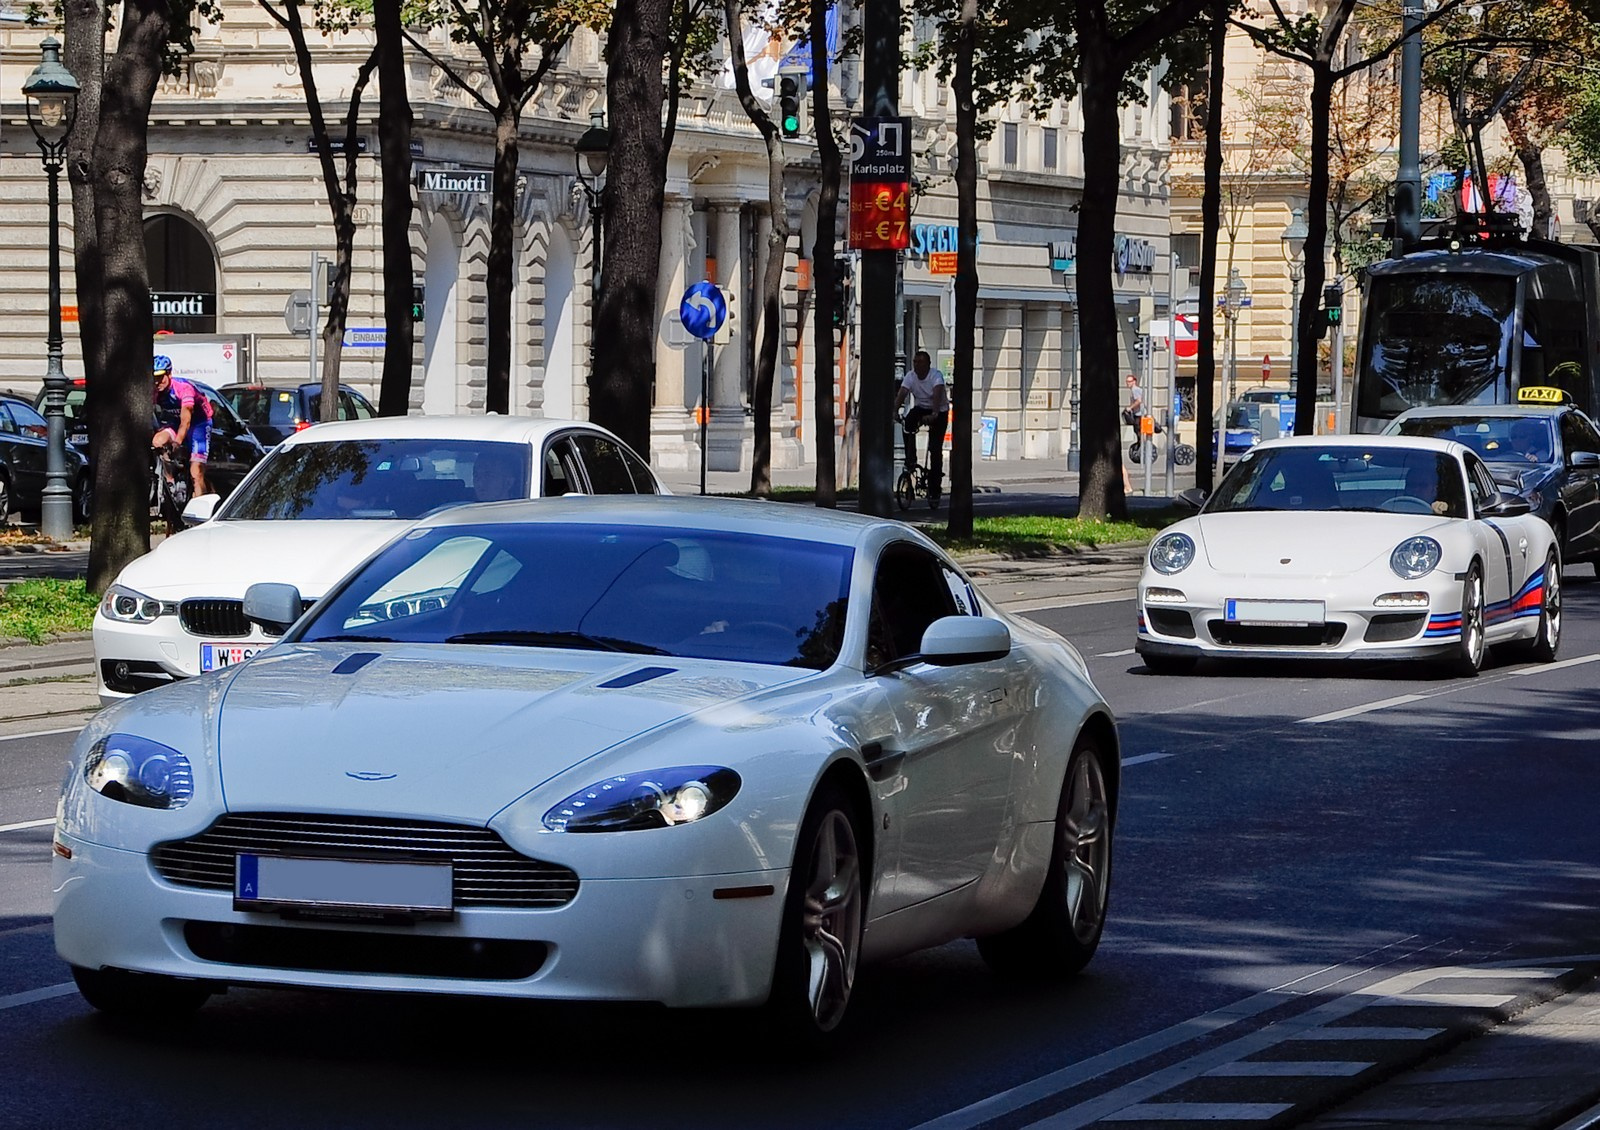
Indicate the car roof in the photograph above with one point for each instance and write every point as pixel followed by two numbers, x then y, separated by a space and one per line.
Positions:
pixel 261 386
pixel 1366 440
pixel 681 512
pixel 506 429
pixel 1485 411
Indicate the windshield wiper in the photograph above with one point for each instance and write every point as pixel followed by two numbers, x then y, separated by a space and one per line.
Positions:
pixel 558 639
pixel 352 639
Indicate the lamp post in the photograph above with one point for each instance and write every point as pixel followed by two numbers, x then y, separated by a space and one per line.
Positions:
pixel 52 96
pixel 1293 242
pixel 1235 297
pixel 589 156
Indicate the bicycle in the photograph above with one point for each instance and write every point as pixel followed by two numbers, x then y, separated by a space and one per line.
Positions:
pixel 915 479
pixel 169 489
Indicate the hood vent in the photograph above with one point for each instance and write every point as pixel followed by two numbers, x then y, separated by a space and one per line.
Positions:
pixel 634 678
pixel 354 663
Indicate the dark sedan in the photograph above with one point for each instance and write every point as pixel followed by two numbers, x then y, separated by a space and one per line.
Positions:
pixel 1547 453
pixel 23 452
pixel 276 412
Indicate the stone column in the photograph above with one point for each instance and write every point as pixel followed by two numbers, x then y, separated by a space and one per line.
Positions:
pixel 725 437
pixel 671 422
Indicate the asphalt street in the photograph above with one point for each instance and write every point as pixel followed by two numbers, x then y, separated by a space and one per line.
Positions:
pixel 1330 881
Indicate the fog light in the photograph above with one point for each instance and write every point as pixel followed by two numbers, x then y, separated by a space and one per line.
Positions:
pixel 1164 596
pixel 1402 600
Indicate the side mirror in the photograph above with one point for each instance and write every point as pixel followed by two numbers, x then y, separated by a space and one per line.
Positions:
pixel 1194 497
pixel 1507 506
pixel 200 509
pixel 953 640
pixel 1588 459
pixel 274 606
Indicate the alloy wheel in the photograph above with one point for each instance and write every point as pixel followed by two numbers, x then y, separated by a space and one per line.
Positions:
pixel 830 919
pixel 1085 832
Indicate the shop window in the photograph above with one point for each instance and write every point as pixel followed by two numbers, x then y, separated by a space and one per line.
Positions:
pixel 183 275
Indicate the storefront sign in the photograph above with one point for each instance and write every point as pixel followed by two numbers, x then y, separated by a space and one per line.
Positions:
pixel 1134 256
pixel 880 184
pixel 453 180
pixel 182 304
pixel 1063 253
pixel 929 239
pixel 943 262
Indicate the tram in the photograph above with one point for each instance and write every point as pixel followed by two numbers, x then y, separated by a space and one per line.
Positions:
pixel 1472 319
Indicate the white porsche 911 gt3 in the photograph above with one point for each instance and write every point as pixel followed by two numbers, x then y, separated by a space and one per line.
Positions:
pixel 688 751
pixel 1353 546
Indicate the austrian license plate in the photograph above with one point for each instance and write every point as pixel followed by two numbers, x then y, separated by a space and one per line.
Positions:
pixel 214 655
pixel 278 882
pixel 1275 613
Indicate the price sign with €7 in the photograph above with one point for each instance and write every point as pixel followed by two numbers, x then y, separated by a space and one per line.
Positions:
pixel 880 184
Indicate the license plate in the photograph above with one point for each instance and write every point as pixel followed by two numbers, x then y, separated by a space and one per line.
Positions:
pixel 274 882
pixel 1275 613
pixel 214 655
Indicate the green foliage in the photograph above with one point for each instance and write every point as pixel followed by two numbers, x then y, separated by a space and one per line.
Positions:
pixel 1580 134
pixel 32 610
pixel 1039 534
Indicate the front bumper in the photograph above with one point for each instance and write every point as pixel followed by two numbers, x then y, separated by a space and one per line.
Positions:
pixel 667 940
pixel 130 658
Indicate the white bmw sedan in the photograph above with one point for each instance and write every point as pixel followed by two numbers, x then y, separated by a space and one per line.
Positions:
pixel 688 751
pixel 1353 546
pixel 320 502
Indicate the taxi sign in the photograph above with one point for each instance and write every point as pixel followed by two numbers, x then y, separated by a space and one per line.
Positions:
pixel 1543 394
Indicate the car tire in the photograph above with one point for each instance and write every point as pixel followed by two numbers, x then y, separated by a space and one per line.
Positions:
pixel 83 500
pixel 7 501
pixel 1546 641
pixel 1468 658
pixel 149 997
pixel 824 914
pixel 1170 664
pixel 1062 933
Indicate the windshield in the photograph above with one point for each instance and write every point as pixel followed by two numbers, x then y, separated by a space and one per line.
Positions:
pixel 629 589
pixel 1395 480
pixel 1498 439
pixel 382 478
pixel 1436 339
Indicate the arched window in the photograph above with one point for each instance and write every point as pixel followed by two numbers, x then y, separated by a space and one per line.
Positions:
pixel 183 275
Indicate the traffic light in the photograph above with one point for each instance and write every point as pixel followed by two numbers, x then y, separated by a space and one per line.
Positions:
pixel 841 292
pixel 1141 347
pixel 1333 303
pixel 417 307
pixel 791 85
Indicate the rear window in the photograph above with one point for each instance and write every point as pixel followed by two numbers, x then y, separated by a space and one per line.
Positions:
pixel 274 407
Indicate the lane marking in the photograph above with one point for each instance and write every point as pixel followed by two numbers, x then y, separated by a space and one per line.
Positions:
pixel 1541 668
pixel 39 734
pixel 1199 1112
pixel 1402 700
pixel 1367 708
pixel 1141 759
pixel 33 996
pixel 1452 1000
pixel 1115 654
pixel 1289 1068
pixel 27 824
pixel 1355 1032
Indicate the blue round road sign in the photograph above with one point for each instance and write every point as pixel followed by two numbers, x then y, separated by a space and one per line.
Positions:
pixel 703 310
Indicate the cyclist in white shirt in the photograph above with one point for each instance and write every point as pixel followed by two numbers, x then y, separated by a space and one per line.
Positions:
pixel 924 387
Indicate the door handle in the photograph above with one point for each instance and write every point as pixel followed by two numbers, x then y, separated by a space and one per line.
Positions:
pixel 881 764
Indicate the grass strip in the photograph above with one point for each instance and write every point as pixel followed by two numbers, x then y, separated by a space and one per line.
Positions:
pixel 33 610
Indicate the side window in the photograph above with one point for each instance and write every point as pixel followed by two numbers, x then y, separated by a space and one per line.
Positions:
pixel 1578 434
pixel 643 481
pixel 560 475
pixel 352 409
pixel 1481 484
pixel 8 425
pixel 602 459
pixel 909 592
pixel 29 421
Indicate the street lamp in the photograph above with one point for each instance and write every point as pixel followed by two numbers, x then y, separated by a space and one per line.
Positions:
pixel 52 96
pixel 1293 241
pixel 1235 297
pixel 590 155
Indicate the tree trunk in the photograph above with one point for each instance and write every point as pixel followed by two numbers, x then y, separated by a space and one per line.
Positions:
pixel 501 278
pixel 1531 155
pixel 966 313
pixel 1205 375
pixel 1100 462
pixel 1315 274
pixel 394 154
pixel 624 325
pixel 823 274
pixel 120 412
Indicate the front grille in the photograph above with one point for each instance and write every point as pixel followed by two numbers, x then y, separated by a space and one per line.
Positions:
pixel 220 619
pixel 1171 622
pixel 487 872
pixel 365 951
pixel 1388 627
pixel 224 618
pixel 1265 635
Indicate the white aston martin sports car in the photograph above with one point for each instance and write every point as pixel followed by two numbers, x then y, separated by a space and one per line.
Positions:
pixel 677 750
pixel 312 510
pixel 1382 547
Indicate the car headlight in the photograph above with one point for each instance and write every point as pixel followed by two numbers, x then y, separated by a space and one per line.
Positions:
pixel 139 771
pixel 659 798
pixel 1172 553
pixel 126 606
pixel 1414 557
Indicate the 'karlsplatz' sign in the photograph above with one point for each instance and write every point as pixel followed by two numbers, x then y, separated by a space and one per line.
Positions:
pixel 453 180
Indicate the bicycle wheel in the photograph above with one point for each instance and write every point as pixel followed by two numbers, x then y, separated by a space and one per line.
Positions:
pixel 1183 455
pixel 905 489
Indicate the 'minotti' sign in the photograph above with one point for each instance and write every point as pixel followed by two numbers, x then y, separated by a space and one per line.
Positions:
pixel 453 180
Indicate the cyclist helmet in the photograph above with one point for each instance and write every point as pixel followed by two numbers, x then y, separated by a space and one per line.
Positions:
pixel 161 364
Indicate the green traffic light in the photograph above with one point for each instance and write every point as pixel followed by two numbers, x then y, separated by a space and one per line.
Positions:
pixel 791 123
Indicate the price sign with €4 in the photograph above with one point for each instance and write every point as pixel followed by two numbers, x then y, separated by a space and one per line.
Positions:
pixel 880 184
